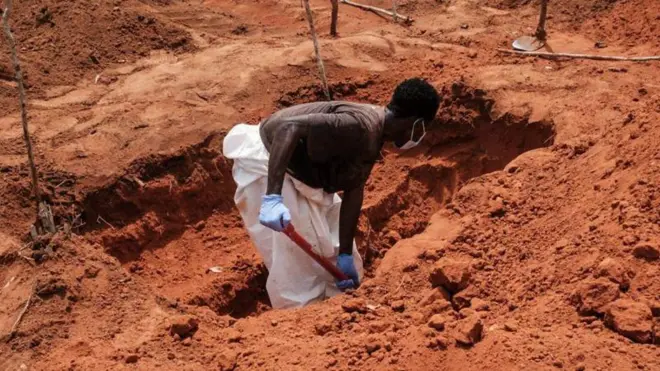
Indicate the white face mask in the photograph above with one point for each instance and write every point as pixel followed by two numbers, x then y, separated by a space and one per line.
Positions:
pixel 411 143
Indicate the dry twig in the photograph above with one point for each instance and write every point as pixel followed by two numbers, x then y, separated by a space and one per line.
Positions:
pixel 21 96
pixel 20 317
pixel 27 245
pixel 46 220
pixel 100 218
pixel 374 9
pixel 317 49
pixel 63 182
pixel 29 260
pixel 391 293
pixel 580 56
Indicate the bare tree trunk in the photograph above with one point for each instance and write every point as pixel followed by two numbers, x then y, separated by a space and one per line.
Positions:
pixel 317 49
pixel 21 96
pixel 335 14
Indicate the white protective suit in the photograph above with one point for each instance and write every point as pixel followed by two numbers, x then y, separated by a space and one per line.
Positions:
pixel 294 278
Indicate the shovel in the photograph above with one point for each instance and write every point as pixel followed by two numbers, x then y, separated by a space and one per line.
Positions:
pixel 537 41
pixel 307 247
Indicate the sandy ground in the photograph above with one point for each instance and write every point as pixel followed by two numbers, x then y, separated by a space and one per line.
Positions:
pixel 523 234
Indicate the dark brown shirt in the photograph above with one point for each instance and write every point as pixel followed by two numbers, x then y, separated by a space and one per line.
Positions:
pixel 343 143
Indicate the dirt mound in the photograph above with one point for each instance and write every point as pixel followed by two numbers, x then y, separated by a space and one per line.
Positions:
pixel 466 141
pixel 61 42
pixel 521 234
pixel 588 7
pixel 629 23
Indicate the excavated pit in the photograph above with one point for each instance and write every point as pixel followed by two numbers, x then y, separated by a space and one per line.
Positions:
pixel 170 218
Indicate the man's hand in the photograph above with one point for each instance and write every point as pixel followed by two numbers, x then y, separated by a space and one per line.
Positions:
pixel 346 264
pixel 273 213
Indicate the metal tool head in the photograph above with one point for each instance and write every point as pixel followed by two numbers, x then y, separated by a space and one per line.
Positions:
pixel 528 44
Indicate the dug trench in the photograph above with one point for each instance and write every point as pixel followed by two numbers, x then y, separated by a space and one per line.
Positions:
pixel 171 220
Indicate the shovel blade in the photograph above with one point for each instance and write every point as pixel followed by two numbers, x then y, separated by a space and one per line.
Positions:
pixel 528 44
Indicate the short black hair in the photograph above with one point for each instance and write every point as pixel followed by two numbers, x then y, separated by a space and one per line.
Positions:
pixel 415 98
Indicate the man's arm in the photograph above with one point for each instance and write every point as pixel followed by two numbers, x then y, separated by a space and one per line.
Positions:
pixel 351 206
pixel 283 144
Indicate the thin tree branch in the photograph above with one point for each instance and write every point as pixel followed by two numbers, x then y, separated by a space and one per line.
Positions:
pixel 21 96
pixel 317 49
pixel 580 56
pixel 378 10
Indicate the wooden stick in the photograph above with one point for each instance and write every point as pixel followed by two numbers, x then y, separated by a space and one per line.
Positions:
pixel 394 11
pixel 21 97
pixel 20 317
pixel 46 218
pixel 540 29
pixel 317 49
pixel 99 217
pixel 378 10
pixel 580 56
pixel 29 260
pixel 335 14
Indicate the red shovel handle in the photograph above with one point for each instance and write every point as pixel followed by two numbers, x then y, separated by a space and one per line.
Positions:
pixel 300 241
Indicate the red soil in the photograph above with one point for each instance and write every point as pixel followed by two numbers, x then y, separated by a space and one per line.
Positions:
pixel 523 234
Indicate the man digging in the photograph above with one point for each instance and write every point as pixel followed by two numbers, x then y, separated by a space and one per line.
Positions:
pixel 289 168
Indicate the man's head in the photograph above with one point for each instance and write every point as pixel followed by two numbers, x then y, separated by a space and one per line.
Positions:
pixel 413 100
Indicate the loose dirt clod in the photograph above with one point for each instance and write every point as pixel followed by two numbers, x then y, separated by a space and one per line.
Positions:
pixel 227 360
pixel 373 344
pixel 433 295
pixel 437 322
pixel 92 272
pixel 439 342
pixel 469 331
pixel 234 336
pixel 355 305
pixel 453 275
pixel 593 295
pixel 631 319
pixel 655 308
pixel 511 326
pixel 461 300
pixel 479 305
pixel 50 286
pixel 133 358
pixel 379 326
pixel 646 250
pixel 439 307
pixel 398 306
pixel 183 326
pixel 615 271
pixel 467 312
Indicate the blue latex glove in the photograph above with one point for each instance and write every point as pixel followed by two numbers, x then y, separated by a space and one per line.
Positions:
pixel 273 213
pixel 346 264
